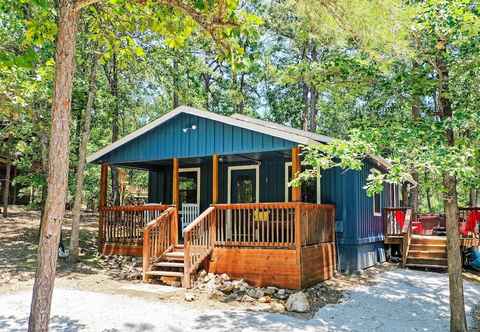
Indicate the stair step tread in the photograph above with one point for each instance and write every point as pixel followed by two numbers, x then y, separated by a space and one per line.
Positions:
pixel 175 254
pixel 428 251
pixel 427 266
pixel 428 258
pixel 180 246
pixel 169 264
pixel 165 274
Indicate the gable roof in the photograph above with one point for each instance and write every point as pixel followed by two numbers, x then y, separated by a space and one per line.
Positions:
pixel 237 120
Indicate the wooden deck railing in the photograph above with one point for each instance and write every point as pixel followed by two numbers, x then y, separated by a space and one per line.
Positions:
pixel 317 223
pixel 199 239
pixel 390 225
pixel 124 224
pixel 256 225
pixel 158 237
pixel 407 235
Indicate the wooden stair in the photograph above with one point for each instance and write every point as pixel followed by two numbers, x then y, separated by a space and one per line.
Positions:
pixel 427 252
pixel 169 268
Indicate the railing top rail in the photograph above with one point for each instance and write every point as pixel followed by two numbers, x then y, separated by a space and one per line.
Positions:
pixel 273 205
pixel 160 218
pixel 468 208
pixel 198 219
pixel 146 207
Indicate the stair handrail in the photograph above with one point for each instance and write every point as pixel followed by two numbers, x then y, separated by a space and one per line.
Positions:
pixel 163 238
pixel 407 235
pixel 199 239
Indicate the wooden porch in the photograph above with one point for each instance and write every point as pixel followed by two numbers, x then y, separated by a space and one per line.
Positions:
pixel 421 245
pixel 288 245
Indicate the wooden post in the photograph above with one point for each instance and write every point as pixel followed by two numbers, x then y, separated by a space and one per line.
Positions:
pixel 146 254
pixel 102 202
pixel 296 169
pixel 215 179
pixel 186 262
pixel 175 201
pixel 298 239
pixel 175 182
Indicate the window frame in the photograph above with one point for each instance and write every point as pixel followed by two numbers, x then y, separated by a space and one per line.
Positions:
pixel 255 167
pixel 198 171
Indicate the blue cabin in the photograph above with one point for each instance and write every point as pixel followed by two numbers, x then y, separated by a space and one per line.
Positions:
pixel 218 195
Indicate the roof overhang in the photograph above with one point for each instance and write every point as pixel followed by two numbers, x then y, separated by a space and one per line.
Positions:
pixel 250 125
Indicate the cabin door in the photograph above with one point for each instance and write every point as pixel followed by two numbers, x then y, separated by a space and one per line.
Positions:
pixel 243 188
pixel 189 185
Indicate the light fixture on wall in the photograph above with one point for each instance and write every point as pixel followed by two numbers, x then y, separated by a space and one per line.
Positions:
pixel 193 127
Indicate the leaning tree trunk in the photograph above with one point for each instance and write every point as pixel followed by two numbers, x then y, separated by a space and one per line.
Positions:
pixel 458 321
pixel 87 118
pixel 6 188
pixel 57 168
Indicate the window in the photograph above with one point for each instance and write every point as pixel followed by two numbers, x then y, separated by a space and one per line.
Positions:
pixel 245 190
pixel 377 204
pixel 189 185
pixel 310 189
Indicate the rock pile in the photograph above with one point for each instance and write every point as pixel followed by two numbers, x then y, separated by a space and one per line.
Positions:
pixel 123 267
pixel 222 288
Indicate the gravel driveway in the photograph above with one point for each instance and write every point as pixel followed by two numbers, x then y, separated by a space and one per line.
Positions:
pixel 401 300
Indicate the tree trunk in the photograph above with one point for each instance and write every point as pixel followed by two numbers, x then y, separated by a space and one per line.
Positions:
pixel 473 198
pixel 85 136
pixel 57 168
pixel 414 193
pixel 404 194
pixel 6 188
pixel 112 76
pixel 458 322
pixel 175 83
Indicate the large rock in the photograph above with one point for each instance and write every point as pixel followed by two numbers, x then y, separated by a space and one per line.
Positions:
pixel 189 297
pixel 298 302
pixel 255 293
pixel 270 290
pixel 281 294
pixel 277 307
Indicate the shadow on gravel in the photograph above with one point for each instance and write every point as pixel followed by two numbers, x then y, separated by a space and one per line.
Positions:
pixel 57 323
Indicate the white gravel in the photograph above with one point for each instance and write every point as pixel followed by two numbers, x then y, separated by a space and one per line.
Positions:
pixel 402 300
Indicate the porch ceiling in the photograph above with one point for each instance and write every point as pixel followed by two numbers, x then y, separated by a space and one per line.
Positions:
pixel 231 158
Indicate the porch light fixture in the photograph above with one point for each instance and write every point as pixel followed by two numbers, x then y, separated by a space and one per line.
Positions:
pixel 193 127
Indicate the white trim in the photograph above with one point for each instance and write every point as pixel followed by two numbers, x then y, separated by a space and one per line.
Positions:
pixel 194 169
pixel 287 135
pixel 244 167
pixel 287 165
pixel 319 185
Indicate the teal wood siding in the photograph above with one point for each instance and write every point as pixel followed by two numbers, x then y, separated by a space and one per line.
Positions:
pixel 211 137
pixel 359 232
pixel 272 181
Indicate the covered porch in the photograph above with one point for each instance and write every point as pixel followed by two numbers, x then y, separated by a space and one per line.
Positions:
pixel 217 213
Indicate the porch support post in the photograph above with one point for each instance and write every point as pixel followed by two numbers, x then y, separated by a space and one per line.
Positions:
pixel 175 189
pixel 296 168
pixel 175 201
pixel 102 202
pixel 215 179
